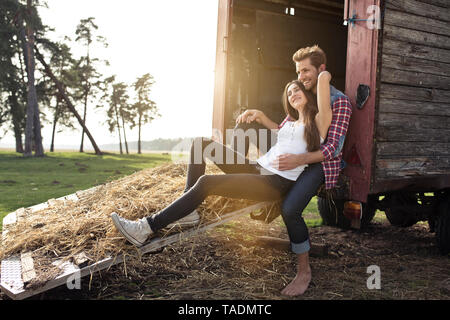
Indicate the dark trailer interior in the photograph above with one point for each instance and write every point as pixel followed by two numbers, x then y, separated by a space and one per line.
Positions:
pixel 262 37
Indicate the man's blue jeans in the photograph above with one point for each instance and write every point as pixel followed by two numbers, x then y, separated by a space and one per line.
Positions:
pixel 297 199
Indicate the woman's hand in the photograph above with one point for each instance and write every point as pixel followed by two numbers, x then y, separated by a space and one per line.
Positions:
pixel 250 115
pixel 288 161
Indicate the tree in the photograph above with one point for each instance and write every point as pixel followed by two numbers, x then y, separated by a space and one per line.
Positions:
pixel 144 109
pixel 12 79
pixel 62 63
pixel 87 66
pixel 33 124
pixel 64 95
pixel 116 96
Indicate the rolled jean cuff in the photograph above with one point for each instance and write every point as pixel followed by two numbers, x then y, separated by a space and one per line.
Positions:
pixel 299 248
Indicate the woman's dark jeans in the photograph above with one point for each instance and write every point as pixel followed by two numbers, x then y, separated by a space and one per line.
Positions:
pixel 240 181
pixel 244 181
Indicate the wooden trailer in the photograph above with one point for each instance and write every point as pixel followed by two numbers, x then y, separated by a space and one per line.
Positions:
pixel 397 149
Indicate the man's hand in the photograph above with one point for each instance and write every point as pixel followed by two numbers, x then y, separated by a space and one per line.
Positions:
pixel 250 115
pixel 288 161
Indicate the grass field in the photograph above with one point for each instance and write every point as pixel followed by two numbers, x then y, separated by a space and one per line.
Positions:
pixel 28 181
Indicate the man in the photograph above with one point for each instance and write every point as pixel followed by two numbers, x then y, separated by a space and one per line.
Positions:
pixel 324 164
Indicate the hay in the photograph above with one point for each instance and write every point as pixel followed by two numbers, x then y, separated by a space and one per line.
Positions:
pixel 67 228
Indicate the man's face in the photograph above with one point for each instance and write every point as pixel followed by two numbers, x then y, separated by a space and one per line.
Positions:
pixel 307 74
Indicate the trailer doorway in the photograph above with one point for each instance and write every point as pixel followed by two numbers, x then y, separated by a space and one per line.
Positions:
pixel 259 43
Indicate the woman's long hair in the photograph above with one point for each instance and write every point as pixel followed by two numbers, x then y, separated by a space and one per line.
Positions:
pixel 309 112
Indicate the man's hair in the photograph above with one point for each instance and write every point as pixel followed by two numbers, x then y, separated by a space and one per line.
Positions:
pixel 316 55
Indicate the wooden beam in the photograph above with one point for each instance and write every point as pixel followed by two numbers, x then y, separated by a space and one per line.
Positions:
pixel 28 272
pixel 419 8
pixel 405 49
pixel 158 243
pixel 439 3
pixel 12 285
pixel 415 36
pixel 415 22
pixel 398 92
pixel 414 79
pixel 425 66
pixel 415 149
pixel 389 105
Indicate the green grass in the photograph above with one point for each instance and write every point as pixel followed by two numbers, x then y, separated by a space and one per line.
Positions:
pixel 28 181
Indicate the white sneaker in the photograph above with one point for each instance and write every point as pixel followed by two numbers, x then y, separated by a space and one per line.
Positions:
pixel 192 219
pixel 136 232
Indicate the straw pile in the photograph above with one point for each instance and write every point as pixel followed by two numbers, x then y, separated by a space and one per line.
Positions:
pixel 68 228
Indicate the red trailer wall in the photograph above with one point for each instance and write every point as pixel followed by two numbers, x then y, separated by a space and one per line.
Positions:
pixel 362 52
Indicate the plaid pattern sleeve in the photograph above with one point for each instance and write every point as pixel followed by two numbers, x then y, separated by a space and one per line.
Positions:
pixel 332 148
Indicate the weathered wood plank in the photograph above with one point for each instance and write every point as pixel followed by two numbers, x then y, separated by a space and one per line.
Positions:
pixel 28 272
pixel 415 149
pixel 411 167
pixel 87 192
pixel 430 135
pixel 392 91
pixel 402 48
pixel 412 121
pixel 387 105
pixel 158 243
pixel 419 8
pixel 415 79
pixel 439 3
pixel 415 36
pixel 412 162
pixel 54 202
pixel 11 280
pixel 414 22
pixel 415 65
pixel 11 274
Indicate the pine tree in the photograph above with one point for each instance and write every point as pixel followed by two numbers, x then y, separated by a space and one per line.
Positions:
pixel 144 109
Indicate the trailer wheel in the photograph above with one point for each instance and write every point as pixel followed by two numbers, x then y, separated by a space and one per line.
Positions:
pixel 443 226
pixel 332 213
pixel 398 216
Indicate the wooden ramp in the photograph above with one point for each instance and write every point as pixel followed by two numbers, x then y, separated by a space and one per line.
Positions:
pixel 17 271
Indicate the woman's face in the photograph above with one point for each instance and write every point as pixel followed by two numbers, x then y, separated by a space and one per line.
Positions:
pixel 296 97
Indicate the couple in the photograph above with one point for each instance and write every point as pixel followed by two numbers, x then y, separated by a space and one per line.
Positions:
pixel 306 154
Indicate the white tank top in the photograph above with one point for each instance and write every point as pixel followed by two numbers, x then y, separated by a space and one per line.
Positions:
pixel 290 139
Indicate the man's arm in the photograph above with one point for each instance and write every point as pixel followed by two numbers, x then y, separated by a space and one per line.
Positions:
pixel 342 111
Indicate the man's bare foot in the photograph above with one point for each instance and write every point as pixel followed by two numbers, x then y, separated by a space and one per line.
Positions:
pixel 297 286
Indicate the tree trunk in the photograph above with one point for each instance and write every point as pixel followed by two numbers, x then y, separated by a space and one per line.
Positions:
pixel 118 129
pixel 139 135
pixel 17 117
pixel 49 72
pixel 55 121
pixel 124 134
pixel 33 125
pixel 84 121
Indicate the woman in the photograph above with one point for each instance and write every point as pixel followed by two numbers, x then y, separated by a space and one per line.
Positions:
pixel 262 181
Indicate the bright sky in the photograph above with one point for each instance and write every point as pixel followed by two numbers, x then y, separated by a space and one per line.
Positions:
pixel 175 41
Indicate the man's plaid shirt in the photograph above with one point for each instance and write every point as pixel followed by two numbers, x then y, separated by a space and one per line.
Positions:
pixel 332 147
